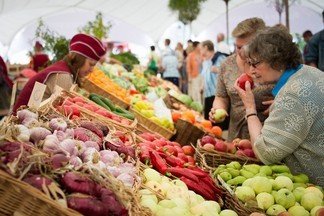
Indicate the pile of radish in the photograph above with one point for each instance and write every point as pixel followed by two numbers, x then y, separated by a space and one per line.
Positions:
pixel 71 107
pixel 67 153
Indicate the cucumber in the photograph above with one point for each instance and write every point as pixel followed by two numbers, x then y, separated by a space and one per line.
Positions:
pixel 109 104
pixel 126 115
pixel 120 110
pixel 97 100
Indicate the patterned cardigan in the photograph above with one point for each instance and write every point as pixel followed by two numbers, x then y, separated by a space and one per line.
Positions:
pixel 294 131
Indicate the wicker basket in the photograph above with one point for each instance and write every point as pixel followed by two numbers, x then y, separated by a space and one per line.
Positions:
pixel 19 198
pixel 187 133
pixel 93 88
pixel 146 125
pixel 212 159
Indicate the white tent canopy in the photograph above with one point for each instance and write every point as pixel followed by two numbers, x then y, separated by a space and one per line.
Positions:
pixel 141 22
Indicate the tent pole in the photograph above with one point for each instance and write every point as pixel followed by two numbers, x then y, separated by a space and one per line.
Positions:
pixel 227 24
pixel 287 14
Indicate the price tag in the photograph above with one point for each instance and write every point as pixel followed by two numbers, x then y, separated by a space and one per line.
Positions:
pixel 36 96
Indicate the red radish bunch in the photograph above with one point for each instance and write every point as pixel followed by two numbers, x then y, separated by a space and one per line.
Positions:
pixel 239 147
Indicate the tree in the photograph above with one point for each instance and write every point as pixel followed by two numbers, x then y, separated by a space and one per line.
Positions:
pixel 53 42
pixel 97 27
pixel 188 10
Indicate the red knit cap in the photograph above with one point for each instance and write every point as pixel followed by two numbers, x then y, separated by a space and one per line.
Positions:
pixel 88 46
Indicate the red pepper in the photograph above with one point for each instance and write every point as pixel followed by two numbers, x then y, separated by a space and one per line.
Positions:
pixel 210 182
pixel 157 162
pixel 196 173
pixel 174 161
pixel 197 188
pixel 198 169
pixel 163 155
pixel 145 155
pixel 180 172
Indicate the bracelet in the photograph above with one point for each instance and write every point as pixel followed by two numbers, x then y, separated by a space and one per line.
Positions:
pixel 251 114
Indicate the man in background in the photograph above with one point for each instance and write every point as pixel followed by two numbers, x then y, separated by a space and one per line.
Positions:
pixel 307 35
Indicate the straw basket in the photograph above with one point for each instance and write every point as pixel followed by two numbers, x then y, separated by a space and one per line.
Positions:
pixel 212 159
pixel 187 133
pixel 19 198
pixel 93 88
pixel 147 125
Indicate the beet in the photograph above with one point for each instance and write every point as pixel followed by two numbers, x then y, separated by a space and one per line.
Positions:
pixel 37 181
pixel 77 183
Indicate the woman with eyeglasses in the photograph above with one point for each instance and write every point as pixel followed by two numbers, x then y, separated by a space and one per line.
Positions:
pixel 226 97
pixel 294 131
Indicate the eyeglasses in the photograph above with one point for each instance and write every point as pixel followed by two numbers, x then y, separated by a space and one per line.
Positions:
pixel 254 64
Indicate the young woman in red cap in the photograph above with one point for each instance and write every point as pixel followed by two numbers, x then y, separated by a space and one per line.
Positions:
pixel 85 51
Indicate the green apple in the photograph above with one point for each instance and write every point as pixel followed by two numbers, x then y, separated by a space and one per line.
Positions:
pixel 301 178
pixel 233 172
pixel 314 210
pixel 219 169
pixel 149 203
pixel 234 164
pixel 248 182
pixel 296 185
pixel 280 169
pixel 264 200
pixel 310 200
pixel 285 198
pixel 298 193
pixel 244 193
pixel 261 184
pixel 283 182
pixel 315 191
pixel 266 170
pixel 219 115
pixel 152 175
pixel 298 211
pixel 227 212
pixel 225 176
pixel 275 209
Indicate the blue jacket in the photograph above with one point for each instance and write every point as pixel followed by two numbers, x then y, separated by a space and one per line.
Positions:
pixel 316 50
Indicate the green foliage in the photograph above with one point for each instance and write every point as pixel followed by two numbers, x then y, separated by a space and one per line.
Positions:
pixel 127 58
pixel 188 10
pixel 97 27
pixel 53 42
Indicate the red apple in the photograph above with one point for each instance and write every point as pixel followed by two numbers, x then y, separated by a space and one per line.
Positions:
pixel 188 150
pixel 183 157
pixel 170 150
pixel 179 149
pixel 320 212
pixel 208 147
pixel 174 144
pixel 231 148
pixel 243 78
pixel 221 146
pixel 208 139
pixel 240 153
pixel 249 153
pixel 245 144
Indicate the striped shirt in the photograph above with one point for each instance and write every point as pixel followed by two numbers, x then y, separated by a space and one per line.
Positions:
pixel 210 78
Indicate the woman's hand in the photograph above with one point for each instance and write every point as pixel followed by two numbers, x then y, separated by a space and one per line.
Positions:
pixel 246 96
pixel 267 103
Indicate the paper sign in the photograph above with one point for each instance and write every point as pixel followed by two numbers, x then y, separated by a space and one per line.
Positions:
pixel 37 94
pixel 161 110
pixel 57 90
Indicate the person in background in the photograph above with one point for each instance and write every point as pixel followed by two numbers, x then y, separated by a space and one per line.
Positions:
pixel 85 52
pixel 226 97
pixel 195 81
pixel 307 35
pixel 39 60
pixel 294 131
pixel 222 47
pixel 153 60
pixel 180 56
pixel 208 75
pixel 5 89
pixel 167 48
pixel 314 56
pixel 169 66
pixel 190 47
